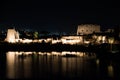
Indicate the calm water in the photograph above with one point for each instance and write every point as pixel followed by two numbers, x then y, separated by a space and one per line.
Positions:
pixel 54 65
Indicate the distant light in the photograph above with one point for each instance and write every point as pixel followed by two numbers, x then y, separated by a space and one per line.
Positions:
pixel 110 71
pixel 111 40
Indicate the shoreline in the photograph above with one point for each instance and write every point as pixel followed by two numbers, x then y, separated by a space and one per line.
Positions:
pixel 47 47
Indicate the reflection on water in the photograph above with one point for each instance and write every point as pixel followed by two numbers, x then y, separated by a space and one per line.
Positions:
pixel 110 70
pixel 10 64
pixel 16 66
pixel 56 64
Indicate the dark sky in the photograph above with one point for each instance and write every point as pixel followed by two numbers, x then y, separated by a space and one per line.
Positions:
pixel 57 15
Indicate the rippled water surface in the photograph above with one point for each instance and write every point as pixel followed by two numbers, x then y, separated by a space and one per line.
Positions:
pixel 57 65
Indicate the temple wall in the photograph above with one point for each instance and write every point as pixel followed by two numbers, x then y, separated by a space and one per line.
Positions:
pixel 87 29
pixel 12 35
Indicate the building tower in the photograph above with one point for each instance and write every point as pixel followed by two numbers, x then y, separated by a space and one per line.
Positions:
pixel 87 29
pixel 12 35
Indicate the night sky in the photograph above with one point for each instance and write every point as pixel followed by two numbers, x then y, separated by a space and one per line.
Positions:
pixel 57 15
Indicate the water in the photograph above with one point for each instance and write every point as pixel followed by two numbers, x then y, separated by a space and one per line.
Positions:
pixel 54 65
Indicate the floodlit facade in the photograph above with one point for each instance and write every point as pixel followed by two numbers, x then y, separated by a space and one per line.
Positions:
pixel 71 40
pixel 12 36
pixel 87 29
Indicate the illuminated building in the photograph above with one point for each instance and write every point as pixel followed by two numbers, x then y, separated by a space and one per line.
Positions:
pixel 87 29
pixel 12 36
pixel 71 40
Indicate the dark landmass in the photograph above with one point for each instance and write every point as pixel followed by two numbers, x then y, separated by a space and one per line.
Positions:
pixel 4 46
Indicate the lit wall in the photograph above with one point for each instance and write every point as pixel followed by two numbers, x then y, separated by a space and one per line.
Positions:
pixel 12 35
pixel 71 40
pixel 87 29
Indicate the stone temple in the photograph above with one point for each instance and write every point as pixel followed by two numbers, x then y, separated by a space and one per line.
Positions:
pixel 12 36
pixel 87 29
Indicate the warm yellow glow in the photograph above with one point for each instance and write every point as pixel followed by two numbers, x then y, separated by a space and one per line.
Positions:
pixel 79 54
pixel 53 53
pixel 40 40
pixel 10 57
pixel 97 61
pixel 48 40
pixel 36 40
pixel 71 40
pixel 27 53
pixel 48 53
pixel 23 53
pixel 110 70
pixel 55 41
pixel 103 39
pixel 12 35
pixel 87 29
pixel 94 37
pixel 19 53
pixel 40 53
pixel 111 40
pixel 99 38
pixel 56 53
pixel 86 42
pixel 64 52
pixel 10 64
pixel 27 41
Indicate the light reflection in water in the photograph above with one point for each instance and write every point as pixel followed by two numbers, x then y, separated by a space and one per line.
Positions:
pixel 17 66
pixel 110 71
pixel 97 61
pixel 10 64
pixel 46 64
